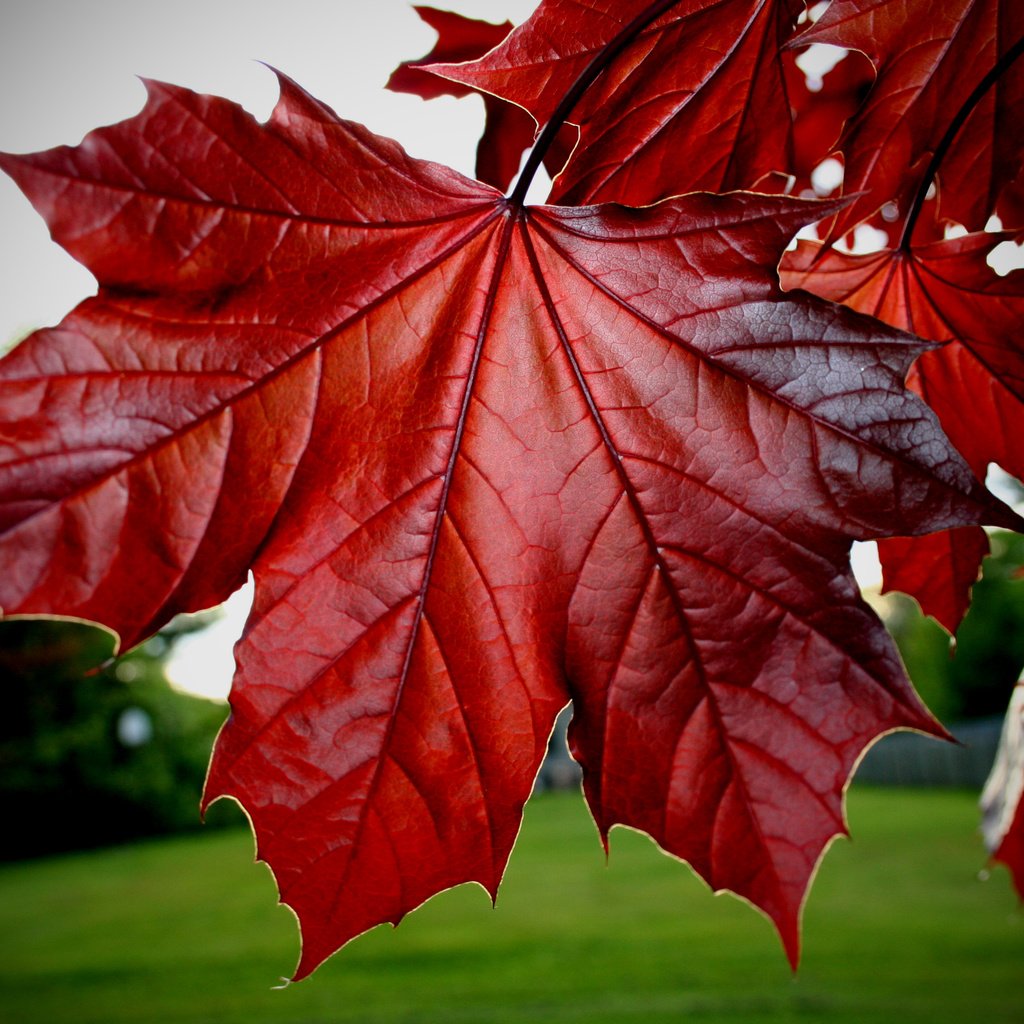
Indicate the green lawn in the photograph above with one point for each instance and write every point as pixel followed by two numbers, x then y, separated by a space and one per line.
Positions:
pixel 898 928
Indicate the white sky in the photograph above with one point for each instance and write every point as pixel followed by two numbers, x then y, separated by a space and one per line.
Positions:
pixel 68 67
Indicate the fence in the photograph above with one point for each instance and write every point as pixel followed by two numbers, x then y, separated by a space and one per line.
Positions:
pixel 900 759
pixel 909 759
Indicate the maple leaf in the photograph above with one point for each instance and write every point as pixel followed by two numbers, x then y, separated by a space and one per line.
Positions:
pixel 482 459
pixel 508 129
pixel 945 291
pixel 889 143
pixel 653 124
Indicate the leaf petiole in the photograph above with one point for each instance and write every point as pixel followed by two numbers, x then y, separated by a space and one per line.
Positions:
pixel 574 94
pixel 1000 68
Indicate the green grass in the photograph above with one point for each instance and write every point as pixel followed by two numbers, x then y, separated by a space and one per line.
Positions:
pixel 898 928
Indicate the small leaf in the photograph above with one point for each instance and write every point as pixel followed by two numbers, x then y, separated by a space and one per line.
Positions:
pixel 509 130
pixel 945 291
pixel 939 569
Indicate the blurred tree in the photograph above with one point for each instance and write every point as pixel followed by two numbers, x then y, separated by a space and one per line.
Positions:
pixel 95 750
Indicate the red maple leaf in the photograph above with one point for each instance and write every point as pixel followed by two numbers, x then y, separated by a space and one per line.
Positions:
pixel 938 570
pixel 481 459
pixel 930 57
pixel 945 291
pixel 656 123
pixel 508 130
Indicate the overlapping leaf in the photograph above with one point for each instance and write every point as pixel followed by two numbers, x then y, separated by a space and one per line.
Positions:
pixel 945 291
pixel 681 105
pixel 930 57
pixel 481 460
pixel 508 130
pixel 938 570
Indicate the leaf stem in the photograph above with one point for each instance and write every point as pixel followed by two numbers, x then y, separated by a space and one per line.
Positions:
pixel 586 79
pixel 995 73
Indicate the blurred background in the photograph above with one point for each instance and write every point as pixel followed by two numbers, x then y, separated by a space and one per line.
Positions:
pixel 99 752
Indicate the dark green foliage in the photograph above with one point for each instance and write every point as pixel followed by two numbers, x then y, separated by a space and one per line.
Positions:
pixel 974 677
pixel 94 751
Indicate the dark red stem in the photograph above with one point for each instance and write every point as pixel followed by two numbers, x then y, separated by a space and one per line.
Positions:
pixel 998 70
pixel 586 79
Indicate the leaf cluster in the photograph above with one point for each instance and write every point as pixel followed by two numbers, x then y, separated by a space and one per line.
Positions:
pixel 484 458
